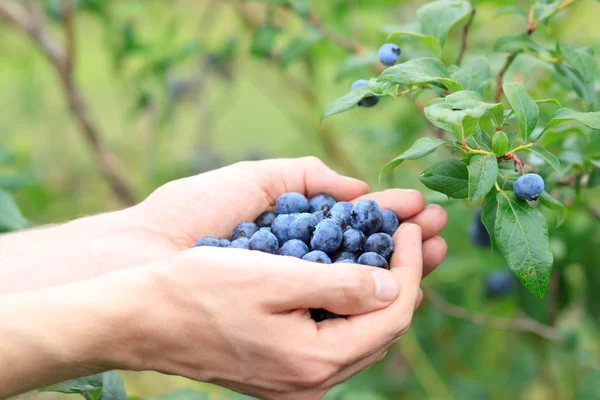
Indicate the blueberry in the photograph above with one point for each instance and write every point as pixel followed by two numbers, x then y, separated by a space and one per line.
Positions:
pixel 302 227
pixel 265 219
pixel 224 242
pixel 241 243
pixel 359 83
pixel 320 314
pixel 380 243
pixel 479 235
pixel 294 248
pixel 389 222
pixel 317 257
pixel 344 255
pixel 366 217
pixel 389 53
pixel 319 215
pixel 338 217
pixel 343 207
pixel 291 202
pixel 281 227
pixel 321 202
pixel 529 187
pixel 499 283
pixel 374 260
pixel 263 241
pixel 327 236
pixel 208 242
pixel 265 228
pixel 366 101
pixel 354 240
pixel 245 229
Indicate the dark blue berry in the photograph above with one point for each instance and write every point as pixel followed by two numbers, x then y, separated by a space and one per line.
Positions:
pixel 389 53
pixel 302 227
pixel 208 242
pixel 290 203
pixel 338 217
pixel 345 255
pixel 241 243
pixel 354 240
pixel 327 236
pixel 479 235
pixel 293 248
pixel 366 217
pixel 266 228
pixel 374 260
pixel 319 215
pixel 321 202
pixel 264 241
pixel 317 256
pixel 265 219
pixel 343 207
pixel 281 227
pixel 380 243
pixel 245 229
pixel 224 242
pixel 529 187
pixel 499 284
pixel 369 101
pixel 389 222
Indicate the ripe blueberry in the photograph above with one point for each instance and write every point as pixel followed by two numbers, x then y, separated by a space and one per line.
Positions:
pixel 317 257
pixel 224 242
pixel 374 260
pixel 529 187
pixel 327 236
pixel 263 241
pixel 366 101
pixel 344 255
pixel 499 283
pixel 389 222
pixel 302 227
pixel 354 240
pixel 380 243
pixel 292 202
pixel 343 207
pixel 265 219
pixel 366 217
pixel 389 53
pixel 281 227
pixel 241 243
pixel 338 217
pixel 321 202
pixel 359 83
pixel 208 242
pixel 293 248
pixel 245 229
pixel 479 235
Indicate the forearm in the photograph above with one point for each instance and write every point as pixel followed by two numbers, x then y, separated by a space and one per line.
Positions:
pixel 75 330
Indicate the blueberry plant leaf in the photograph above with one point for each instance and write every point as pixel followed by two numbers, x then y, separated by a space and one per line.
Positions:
pixel 89 385
pixel 346 102
pixel 113 387
pixel 479 140
pixel 515 43
pixel 263 40
pixel 449 177
pixel 510 10
pixel 548 101
pixel 11 218
pixel 550 158
pixel 483 171
pixel 589 119
pixel 543 9
pixel 489 209
pixel 430 42
pixel 521 233
pixel 438 17
pixel 553 204
pixel 581 68
pixel 524 107
pixel 419 71
pixel 419 149
pixel 474 74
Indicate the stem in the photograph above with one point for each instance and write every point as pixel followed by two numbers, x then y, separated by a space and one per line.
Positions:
pixel 463 41
pixel 497 187
pixel 522 147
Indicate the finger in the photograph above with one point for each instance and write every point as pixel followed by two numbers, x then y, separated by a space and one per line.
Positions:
pixel 419 299
pixel 359 366
pixel 404 202
pixel 432 220
pixel 434 252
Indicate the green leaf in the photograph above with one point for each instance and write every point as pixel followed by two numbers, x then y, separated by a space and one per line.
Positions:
pixel 419 149
pixel 550 158
pixel 483 172
pixel 510 10
pixel 420 70
pixel 581 68
pixel 544 9
pixel 553 204
pixel 500 143
pixel 515 43
pixel 474 74
pixel 548 101
pixel 11 218
pixel 524 107
pixel 438 17
pixel 87 384
pixel 113 387
pixel 346 102
pixel 449 177
pixel 429 41
pixel 521 233
pixel 263 40
pixel 489 209
pixel 183 394
pixel 479 140
pixel 589 119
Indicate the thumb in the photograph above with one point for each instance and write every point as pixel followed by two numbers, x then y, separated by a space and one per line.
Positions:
pixel 346 289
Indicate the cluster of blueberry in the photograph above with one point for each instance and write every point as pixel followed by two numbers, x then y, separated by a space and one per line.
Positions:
pixel 388 55
pixel 321 230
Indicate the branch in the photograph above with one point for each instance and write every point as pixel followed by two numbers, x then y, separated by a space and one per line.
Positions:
pixel 526 325
pixel 69 27
pixel 29 21
pixel 463 40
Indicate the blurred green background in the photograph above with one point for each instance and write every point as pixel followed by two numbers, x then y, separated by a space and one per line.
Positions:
pixel 181 87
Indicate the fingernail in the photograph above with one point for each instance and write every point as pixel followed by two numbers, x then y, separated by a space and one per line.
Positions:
pixel 386 285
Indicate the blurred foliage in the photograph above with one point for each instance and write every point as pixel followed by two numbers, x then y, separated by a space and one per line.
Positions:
pixel 181 87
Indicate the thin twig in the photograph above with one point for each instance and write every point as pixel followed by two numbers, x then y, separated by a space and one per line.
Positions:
pixel 29 20
pixel 464 37
pixel 526 325
pixel 69 27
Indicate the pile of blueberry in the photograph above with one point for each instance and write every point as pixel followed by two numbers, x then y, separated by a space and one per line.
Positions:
pixel 388 55
pixel 320 230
